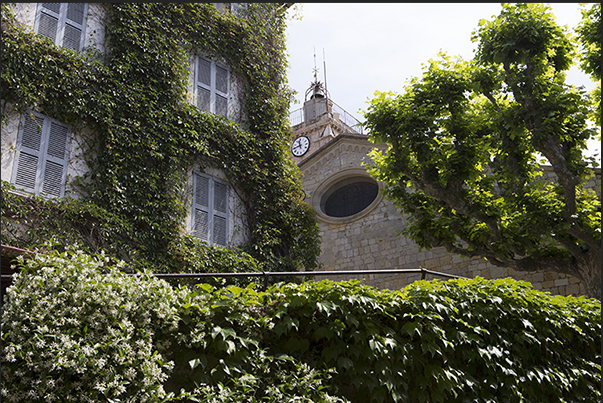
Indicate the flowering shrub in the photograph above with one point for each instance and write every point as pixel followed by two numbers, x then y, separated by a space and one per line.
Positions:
pixel 73 334
pixel 74 330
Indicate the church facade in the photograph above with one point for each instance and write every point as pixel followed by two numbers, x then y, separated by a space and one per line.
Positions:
pixel 359 228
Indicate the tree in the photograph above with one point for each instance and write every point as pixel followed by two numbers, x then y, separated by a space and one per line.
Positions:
pixel 469 142
pixel 589 34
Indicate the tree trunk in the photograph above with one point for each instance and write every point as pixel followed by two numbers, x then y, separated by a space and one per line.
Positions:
pixel 590 274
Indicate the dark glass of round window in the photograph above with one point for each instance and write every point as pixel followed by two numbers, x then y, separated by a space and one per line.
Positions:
pixel 349 197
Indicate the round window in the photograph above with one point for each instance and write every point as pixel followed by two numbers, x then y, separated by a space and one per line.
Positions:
pixel 349 196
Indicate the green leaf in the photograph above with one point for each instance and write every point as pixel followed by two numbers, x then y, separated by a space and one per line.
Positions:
pixel 412 328
pixel 344 362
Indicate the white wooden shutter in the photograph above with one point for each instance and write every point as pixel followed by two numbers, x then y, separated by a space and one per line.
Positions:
pixel 42 156
pixel 54 7
pixel 48 20
pixel 26 171
pixel 75 13
pixel 220 197
pixel 203 99
pixel 220 231
pixel 204 72
pixel 220 224
pixel 203 84
pixel 201 210
pixel 212 87
pixel 202 191
pixel 55 171
pixel 210 210
pixel 64 23
pixel 221 91
pixel 237 8
pixel 201 225
pixel 72 37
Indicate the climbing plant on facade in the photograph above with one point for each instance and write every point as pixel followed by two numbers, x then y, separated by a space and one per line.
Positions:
pixel 146 136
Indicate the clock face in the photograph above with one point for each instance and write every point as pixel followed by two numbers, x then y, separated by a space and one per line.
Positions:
pixel 300 146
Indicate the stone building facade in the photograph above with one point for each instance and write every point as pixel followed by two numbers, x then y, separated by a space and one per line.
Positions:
pixel 81 27
pixel 368 239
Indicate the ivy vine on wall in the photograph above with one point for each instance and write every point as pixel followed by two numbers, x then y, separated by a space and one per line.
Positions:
pixel 146 137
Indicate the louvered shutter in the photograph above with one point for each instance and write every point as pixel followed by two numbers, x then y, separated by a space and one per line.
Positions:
pixel 201 224
pixel 75 25
pixel 64 23
pixel 201 211
pixel 220 214
pixel 26 171
pixel 204 72
pixel 75 12
pixel 212 87
pixel 221 91
pixel 221 79
pixel 48 22
pixel 72 37
pixel 202 191
pixel 221 106
pixel 210 211
pixel 220 197
pixel 204 84
pixel 42 157
pixel 53 179
pixel 203 99
pixel 220 231
pixel 54 7
pixel 56 161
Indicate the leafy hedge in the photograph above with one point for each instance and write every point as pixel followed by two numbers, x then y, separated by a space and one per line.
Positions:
pixel 75 331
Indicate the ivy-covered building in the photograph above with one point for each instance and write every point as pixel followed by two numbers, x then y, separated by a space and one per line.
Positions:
pixel 128 127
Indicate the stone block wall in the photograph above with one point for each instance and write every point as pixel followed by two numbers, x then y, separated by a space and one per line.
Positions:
pixel 371 241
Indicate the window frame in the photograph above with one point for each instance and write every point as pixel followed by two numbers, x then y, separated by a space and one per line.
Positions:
pixel 210 209
pixel 345 184
pixel 62 21
pixel 326 187
pixel 43 156
pixel 212 87
pixel 239 9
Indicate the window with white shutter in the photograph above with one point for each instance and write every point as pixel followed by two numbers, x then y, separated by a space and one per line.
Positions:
pixel 42 155
pixel 238 8
pixel 212 86
pixel 64 23
pixel 210 210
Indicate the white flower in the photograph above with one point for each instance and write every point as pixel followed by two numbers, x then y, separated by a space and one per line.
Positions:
pixel 130 374
pixel 101 387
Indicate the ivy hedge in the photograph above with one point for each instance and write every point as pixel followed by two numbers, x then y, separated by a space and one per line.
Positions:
pixel 76 330
pixel 142 137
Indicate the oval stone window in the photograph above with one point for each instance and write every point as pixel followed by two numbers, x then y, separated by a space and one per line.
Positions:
pixel 349 196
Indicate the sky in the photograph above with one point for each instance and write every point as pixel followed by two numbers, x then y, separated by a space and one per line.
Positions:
pixel 368 47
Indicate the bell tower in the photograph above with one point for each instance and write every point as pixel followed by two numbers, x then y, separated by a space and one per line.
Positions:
pixel 318 103
pixel 319 121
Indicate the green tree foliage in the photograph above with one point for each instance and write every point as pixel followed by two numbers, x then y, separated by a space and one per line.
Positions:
pixel 466 140
pixel 589 34
pixel 142 136
pixel 75 330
